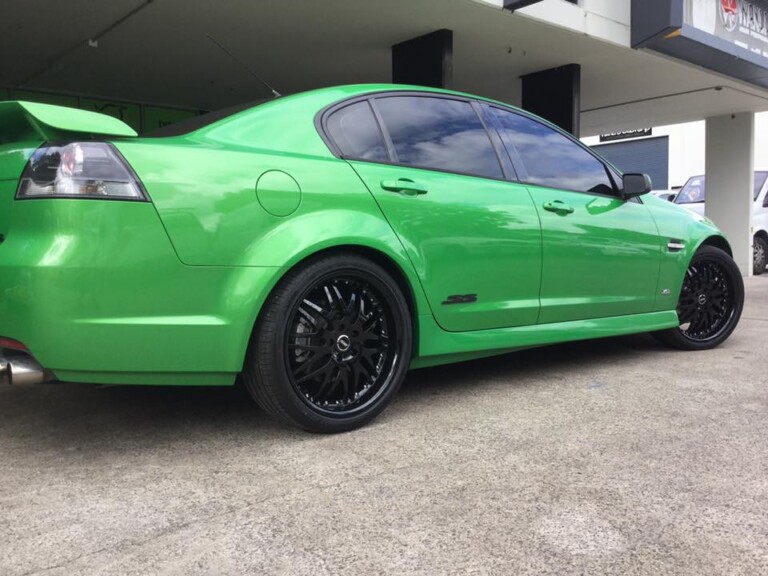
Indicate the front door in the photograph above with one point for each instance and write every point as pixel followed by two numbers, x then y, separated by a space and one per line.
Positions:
pixel 601 253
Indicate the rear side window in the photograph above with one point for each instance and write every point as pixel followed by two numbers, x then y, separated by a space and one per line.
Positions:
pixel 356 133
pixel 545 157
pixel 440 134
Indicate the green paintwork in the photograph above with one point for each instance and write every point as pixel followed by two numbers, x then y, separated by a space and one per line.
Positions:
pixel 67 119
pixel 278 193
pixel 168 291
pixel 600 260
pixel 467 235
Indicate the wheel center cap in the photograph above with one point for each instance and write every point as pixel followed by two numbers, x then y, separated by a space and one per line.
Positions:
pixel 702 299
pixel 343 343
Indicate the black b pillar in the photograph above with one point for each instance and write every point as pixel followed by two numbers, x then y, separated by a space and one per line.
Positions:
pixel 425 61
pixel 555 94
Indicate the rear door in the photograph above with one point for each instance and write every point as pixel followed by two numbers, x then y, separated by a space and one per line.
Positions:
pixel 472 236
pixel 601 253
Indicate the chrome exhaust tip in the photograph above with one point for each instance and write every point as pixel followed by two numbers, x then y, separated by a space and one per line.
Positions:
pixel 5 371
pixel 21 370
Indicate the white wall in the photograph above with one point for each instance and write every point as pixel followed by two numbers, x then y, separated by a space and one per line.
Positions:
pixel 687 144
pixel 607 20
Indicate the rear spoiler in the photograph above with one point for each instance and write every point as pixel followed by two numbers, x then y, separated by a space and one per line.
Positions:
pixel 22 120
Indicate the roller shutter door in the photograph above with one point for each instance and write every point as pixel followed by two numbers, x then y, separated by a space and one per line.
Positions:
pixel 649 156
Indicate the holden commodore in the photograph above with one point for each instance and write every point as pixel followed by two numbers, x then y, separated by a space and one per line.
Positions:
pixel 317 246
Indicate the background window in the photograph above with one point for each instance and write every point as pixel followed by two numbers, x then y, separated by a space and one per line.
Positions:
pixel 548 158
pixel 440 134
pixel 355 131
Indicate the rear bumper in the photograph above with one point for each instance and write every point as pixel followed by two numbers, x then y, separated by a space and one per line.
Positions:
pixel 96 293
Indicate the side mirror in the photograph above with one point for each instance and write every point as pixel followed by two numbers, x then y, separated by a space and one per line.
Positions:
pixel 636 185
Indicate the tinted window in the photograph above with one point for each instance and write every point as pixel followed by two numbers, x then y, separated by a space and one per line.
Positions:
pixel 355 131
pixel 440 134
pixel 545 157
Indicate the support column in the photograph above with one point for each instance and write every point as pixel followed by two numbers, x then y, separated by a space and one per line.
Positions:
pixel 730 166
pixel 424 61
pixel 555 94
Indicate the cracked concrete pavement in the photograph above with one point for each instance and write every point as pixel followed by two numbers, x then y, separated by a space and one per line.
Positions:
pixel 613 456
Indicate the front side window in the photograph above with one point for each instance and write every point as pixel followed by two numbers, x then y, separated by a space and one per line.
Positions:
pixel 547 158
pixel 439 134
pixel 356 133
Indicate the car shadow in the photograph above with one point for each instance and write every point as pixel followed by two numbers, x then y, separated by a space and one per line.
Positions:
pixel 60 415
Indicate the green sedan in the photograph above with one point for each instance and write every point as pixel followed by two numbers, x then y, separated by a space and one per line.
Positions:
pixel 317 246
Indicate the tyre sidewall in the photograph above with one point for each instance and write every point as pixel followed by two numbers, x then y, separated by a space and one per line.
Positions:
pixel 271 342
pixel 675 336
pixel 759 266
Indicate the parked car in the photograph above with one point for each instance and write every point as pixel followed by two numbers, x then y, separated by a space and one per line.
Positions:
pixel 692 196
pixel 320 245
pixel 668 195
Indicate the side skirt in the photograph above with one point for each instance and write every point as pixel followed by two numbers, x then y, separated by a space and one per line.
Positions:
pixel 436 346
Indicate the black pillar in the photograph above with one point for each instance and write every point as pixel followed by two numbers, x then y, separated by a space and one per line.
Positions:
pixel 424 61
pixel 555 94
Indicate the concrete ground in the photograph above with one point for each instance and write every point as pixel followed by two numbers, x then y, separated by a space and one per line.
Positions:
pixel 606 457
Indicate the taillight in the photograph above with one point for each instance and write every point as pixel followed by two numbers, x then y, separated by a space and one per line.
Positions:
pixel 78 170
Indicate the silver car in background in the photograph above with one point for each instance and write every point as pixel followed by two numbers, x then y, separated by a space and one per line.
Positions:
pixel 692 196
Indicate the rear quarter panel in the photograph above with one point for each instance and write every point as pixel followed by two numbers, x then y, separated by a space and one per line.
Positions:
pixel 204 189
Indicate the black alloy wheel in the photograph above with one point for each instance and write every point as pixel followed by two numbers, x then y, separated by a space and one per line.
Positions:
pixel 332 346
pixel 339 353
pixel 710 303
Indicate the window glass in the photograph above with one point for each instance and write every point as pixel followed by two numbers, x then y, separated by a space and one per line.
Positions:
pixel 759 181
pixel 693 191
pixel 440 134
pixel 355 131
pixel 548 158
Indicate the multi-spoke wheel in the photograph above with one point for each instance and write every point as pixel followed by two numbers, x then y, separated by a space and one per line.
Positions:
pixel 760 255
pixel 332 345
pixel 710 303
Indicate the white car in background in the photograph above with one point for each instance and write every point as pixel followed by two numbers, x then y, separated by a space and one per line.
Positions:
pixel 668 195
pixel 692 194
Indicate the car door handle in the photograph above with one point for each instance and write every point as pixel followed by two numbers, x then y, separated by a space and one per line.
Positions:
pixel 404 186
pixel 558 207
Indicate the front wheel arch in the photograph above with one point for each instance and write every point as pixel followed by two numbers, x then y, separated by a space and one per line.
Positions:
pixel 717 242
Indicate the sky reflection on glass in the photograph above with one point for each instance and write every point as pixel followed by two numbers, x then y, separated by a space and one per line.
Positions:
pixel 440 134
pixel 549 158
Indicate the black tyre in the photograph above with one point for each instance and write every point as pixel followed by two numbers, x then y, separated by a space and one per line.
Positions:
pixel 760 255
pixel 332 345
pixel 710 303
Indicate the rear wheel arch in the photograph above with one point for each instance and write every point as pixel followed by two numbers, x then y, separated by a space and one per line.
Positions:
pixel 389 264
